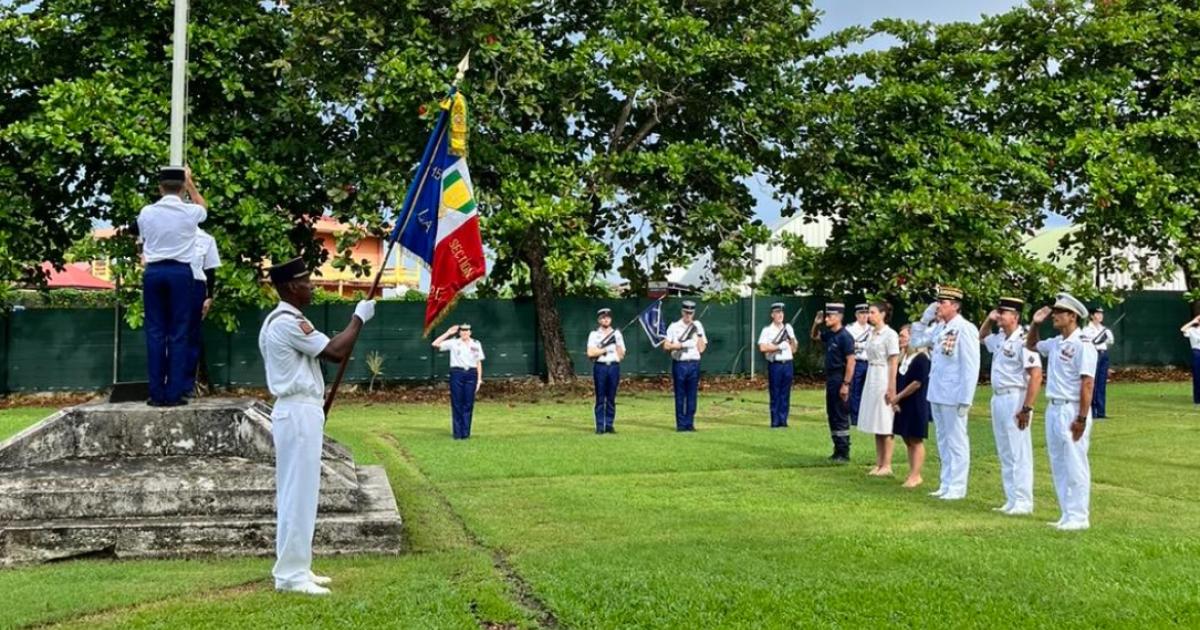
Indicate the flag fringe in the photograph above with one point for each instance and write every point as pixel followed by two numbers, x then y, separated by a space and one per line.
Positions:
pixel 441 316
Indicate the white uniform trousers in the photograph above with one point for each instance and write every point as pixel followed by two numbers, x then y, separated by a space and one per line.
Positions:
pixel 298 430
pixel 1069 460
pixel 1014 447
pixel 954 449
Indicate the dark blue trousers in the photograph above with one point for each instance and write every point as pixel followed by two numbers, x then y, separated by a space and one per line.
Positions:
pixel 195 334
pixel 856 389
pixel 1100 389
pixel 1196 376
pixel 462 401
pixel 779 386
pixel 167 301
pixel 839 416
pixel 606 377
pixel 686 377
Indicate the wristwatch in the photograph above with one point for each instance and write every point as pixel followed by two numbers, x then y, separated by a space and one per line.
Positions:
pixel 845 383
pixel 1026 409
pixel 1082 419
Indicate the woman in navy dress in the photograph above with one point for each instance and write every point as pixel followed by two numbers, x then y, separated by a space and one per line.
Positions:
pixel 912 408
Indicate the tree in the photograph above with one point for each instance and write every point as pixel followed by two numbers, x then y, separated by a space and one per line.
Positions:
pixel 594 124
pixel 84 127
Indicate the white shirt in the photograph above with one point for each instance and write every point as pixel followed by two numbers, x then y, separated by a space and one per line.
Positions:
pixel 465 355
pixel 1067 361
pixel 610 351
pixel 689 352
pixel 168 229
pixel 1091 333
pixel 1193 336
pixel 954 359
pixel 860 332
pixel 289 345
pixel 880 345
pixel 770 333
pixel 204 255
pixel 1011 359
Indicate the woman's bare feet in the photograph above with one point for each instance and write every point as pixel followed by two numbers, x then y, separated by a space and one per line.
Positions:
pixel 912 482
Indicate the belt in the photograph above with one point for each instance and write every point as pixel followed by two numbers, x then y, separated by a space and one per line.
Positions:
pixel 300 399
pixel 458 369
pixel 1004 391
pixel 606 362
pixel 779 360
pixel 687 360
pixel 169 261
pixel 1062 401
pixel 1105 351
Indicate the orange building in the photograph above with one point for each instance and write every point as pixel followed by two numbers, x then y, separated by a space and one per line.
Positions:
pixel 396 275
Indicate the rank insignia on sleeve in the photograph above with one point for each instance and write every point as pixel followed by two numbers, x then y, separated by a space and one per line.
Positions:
pixel 306 327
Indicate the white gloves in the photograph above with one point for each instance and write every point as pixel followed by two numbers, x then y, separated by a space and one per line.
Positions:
pixel 365 310
pixel 929 314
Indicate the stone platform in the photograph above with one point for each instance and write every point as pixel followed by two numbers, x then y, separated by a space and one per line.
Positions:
pixel 129 480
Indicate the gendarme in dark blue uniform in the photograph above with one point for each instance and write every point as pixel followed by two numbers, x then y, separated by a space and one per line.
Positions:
pixel 839 366
pixel 686 342
pixel 167 229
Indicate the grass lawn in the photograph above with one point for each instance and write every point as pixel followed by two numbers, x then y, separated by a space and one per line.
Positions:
pixel 535 521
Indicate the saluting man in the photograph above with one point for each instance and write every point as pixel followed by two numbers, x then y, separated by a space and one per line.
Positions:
pixel 291 350
pixel 839 372
pixel 860 330
pixel 1102 338
pixel 205 261
pixel 778 343
pixel 606 349
pixel 167 229
pixel 466 376
pixel 1071 364
pixel 1016 379
pixel 953 375
pixel 686 342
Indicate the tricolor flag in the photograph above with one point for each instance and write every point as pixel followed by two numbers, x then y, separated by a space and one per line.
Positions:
pixel 441 225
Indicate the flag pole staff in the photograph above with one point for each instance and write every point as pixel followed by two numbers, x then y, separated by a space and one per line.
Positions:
pixel 414 192
pixel 179 82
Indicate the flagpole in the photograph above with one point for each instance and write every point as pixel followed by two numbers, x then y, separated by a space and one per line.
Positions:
pixel 414 192
pixel 178 82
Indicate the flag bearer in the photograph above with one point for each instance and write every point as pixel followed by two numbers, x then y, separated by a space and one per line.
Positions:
pixel 291 350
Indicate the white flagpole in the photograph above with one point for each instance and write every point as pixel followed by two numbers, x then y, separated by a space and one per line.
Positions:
pixel 178 82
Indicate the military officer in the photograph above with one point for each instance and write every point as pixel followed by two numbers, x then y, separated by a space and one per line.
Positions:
pixel 778 343
pixel 686 342
pixel 606 350
pixel 1071 364
pixel 205 260
pixel 1102 338
pixel 466 376
pixel 839 373
pixel 953 375
pixel 860 330
pixel 291 349
pixel 1016 379
pixel 167 230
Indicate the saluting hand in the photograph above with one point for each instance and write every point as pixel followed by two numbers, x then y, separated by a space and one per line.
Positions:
pixel 994 315
pixel 819 318
pixel 1041 314
pixel 453 330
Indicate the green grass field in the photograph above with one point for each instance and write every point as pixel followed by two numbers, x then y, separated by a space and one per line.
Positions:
pixel 536 521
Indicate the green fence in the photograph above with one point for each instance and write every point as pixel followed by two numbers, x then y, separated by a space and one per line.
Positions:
pixel 72 349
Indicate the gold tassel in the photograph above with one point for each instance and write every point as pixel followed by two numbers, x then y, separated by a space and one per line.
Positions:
pixel 458 125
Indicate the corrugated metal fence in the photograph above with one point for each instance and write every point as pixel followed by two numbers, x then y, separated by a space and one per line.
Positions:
pixel 72 349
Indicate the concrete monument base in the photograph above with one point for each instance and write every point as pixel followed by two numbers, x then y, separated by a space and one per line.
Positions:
pixel 131 481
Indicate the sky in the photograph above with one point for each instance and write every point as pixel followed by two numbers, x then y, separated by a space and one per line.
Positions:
pixel 840 14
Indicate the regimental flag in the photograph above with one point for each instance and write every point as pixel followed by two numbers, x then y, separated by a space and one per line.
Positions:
pixel 441 227
pixel 654 323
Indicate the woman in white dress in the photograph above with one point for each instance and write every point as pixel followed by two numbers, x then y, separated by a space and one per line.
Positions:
pixel 876 415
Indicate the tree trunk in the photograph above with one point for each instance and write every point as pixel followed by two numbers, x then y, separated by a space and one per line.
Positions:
pixel 550 331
